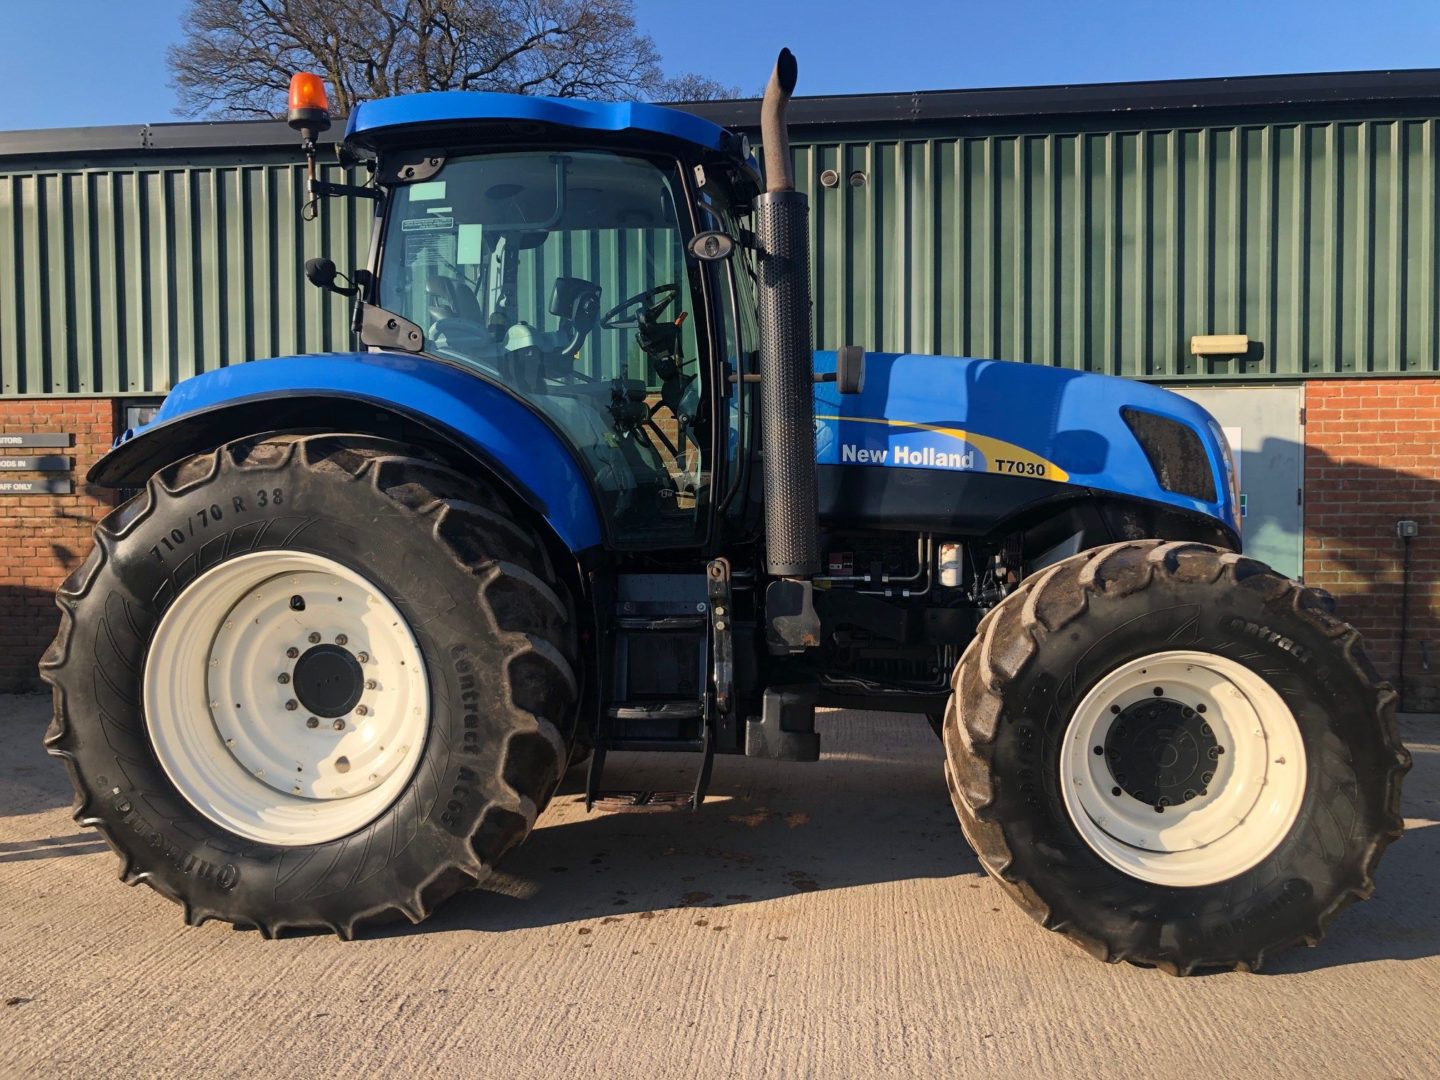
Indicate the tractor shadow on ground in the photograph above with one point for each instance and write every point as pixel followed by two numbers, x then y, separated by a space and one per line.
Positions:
pixel 28 615
pixel 873 809
pixel 1402 920
pixel 31 780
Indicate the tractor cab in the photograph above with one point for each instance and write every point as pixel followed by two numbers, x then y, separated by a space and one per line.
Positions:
pixel 577 257
pixel 543 246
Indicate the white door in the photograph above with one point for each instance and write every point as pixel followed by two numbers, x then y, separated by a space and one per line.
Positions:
pixel 1264 427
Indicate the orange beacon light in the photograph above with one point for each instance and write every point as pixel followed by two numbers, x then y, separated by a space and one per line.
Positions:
pixel 309 111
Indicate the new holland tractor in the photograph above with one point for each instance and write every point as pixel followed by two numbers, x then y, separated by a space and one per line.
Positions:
pixel 585 487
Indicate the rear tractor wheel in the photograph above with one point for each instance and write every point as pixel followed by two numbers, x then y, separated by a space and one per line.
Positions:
pixel 312 682
pixel 1174 756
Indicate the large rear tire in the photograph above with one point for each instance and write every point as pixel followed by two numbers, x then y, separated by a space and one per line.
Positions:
pixel 312 681
pixel 1174 756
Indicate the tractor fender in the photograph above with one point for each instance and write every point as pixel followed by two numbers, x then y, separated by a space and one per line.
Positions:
pixel 411 399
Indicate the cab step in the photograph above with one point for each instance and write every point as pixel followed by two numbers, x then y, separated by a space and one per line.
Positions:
pixel 643 802
pixel 656 710
pixel 650 801
pixel 658 630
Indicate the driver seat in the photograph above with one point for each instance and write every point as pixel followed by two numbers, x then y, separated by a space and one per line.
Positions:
pixel 450 298
pixel 531 355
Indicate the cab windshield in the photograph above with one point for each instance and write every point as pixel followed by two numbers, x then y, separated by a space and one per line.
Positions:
pixel 564 278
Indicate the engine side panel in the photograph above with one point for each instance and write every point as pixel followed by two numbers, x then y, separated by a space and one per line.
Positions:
pixel 1006 434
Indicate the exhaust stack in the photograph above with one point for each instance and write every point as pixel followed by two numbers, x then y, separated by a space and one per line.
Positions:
pixel 787 378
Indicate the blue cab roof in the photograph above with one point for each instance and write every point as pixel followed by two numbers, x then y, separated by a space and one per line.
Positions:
pixel 462 105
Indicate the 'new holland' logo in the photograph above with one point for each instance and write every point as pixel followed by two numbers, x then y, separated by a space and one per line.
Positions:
pixel 926 456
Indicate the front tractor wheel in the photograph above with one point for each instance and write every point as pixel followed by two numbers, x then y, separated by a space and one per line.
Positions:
pixel 312 682
pixel 1174 756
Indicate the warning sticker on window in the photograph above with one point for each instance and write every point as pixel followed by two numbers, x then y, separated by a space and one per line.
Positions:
pixel 430 249
pixel 428 224
pixel 425 192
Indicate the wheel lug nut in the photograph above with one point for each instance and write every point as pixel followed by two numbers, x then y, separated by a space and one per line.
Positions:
pixel 371 684
pixel 291 705
pixel 314 639
pixel 283 678
pixel 312 722
pixel 341 639
pixel 363 657
pixel 338 725
pixel 292 652
pixel 361 710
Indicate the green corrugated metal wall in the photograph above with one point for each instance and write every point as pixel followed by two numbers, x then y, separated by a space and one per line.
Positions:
pixel 127 279
pixel 1098 250
pixel 1107 251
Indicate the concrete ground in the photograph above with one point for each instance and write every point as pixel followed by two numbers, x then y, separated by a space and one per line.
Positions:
pixel 812 920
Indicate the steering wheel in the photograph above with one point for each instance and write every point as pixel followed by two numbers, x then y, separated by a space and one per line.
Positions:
pixel 651 303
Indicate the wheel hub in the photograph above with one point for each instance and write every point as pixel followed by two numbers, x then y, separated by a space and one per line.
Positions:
pixel 1162 752
pixel 328 681
pixel 1182 768
pixel 286 697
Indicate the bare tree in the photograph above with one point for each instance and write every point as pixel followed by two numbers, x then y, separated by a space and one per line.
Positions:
pixel 693 87
pixel 237 56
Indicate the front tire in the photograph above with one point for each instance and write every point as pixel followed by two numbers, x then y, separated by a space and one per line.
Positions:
pixel 312 682
pixel 1174 756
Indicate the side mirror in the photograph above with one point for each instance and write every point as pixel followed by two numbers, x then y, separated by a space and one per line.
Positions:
pixel 850 369
pixel 321 273
pixel 711 246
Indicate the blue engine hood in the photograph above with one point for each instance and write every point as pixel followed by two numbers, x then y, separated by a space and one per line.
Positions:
pixel 991 416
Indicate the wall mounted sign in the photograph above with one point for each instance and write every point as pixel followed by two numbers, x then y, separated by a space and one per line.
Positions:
pixel 38 439
pixel 47 486
pixel 38 463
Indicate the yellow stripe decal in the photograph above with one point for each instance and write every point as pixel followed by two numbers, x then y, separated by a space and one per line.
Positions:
pixel 1000 456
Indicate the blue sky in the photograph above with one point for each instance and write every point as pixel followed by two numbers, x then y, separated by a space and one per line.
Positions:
pixel 103 61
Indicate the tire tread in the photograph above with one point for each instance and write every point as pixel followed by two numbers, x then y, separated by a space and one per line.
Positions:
pixel 1011 635
pixel 466 516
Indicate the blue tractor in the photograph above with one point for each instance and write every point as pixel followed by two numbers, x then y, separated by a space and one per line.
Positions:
pixel 586 487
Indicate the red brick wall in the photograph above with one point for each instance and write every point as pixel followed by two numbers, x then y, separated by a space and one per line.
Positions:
pixel 44 537
pixel 1372 458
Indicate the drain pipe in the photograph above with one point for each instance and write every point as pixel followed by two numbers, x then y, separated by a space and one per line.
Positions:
pixel 787 380
pixel 1406 530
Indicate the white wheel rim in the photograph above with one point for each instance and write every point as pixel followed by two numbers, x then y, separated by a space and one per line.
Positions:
pixel 226 679
pixel 1234 819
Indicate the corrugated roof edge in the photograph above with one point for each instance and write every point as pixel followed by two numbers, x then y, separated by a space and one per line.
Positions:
pixel 1091 99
